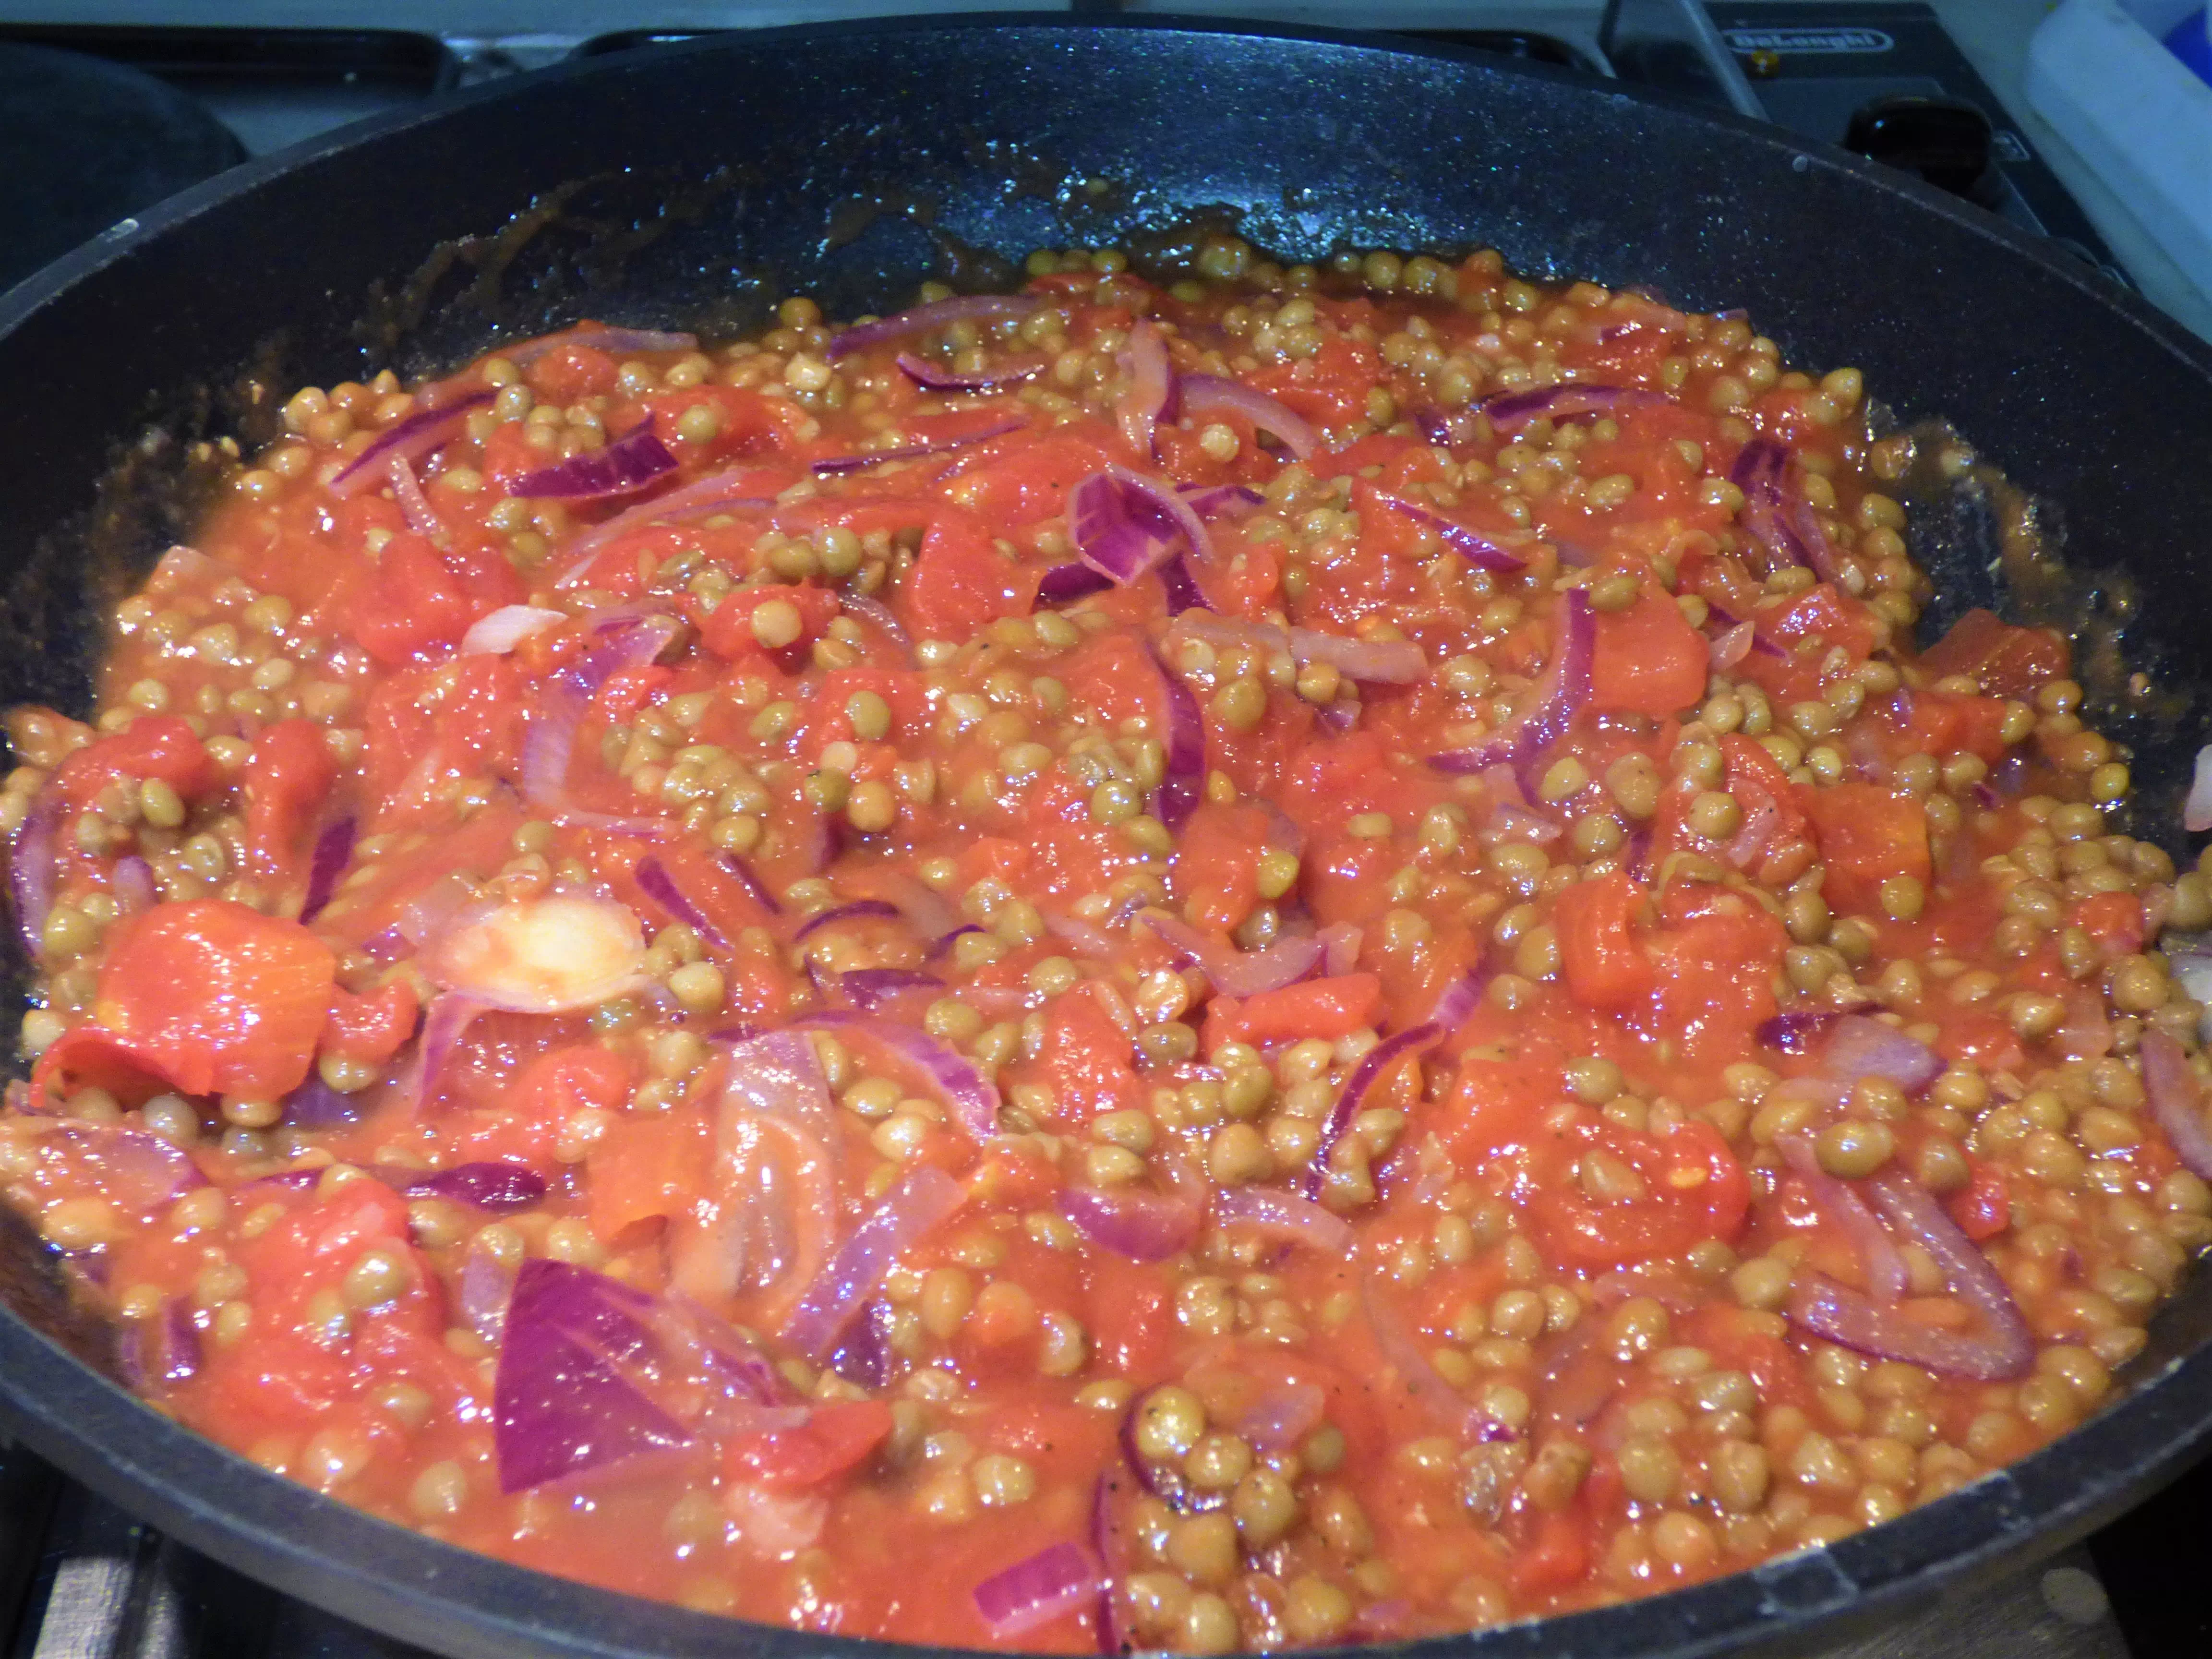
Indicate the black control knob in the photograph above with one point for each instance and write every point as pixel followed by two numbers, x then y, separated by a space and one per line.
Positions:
pixel 1947 141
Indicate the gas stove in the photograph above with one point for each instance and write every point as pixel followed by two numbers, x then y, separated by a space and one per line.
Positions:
pixel 159 99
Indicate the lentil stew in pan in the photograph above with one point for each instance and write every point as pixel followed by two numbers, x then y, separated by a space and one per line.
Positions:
pixel 1259 957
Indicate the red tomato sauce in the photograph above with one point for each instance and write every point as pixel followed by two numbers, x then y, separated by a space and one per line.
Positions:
pixel 1256 959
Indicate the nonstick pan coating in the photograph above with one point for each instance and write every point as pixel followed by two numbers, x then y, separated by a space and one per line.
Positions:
pixel 694 185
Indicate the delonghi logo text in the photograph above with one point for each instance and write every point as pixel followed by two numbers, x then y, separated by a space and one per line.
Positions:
pixel 1822 40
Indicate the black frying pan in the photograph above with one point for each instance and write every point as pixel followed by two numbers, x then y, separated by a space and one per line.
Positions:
pixel 692 184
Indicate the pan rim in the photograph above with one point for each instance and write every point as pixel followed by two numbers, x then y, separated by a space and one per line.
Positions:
pixel 317 1547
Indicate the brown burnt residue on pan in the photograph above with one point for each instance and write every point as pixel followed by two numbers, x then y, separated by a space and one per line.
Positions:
pixel 1982 536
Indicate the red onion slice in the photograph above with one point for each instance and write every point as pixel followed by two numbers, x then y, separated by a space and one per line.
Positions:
pixel 1340 945
pixel 1509 411
pixel 1184 773
pixel 1125 524
pixel 1401 1351
pixel 136 1169
pixel 1553 705
pixel 1055 1580
pixel 420 434
pixel 562 1400
pixel 1150 396
pixel 877 615
pixel 843 463
pixel 614 341
pixel 1212 501
pixel 1888 1278
pixel 857 1271
pixel 499 632
pixel 1066 583
pixel 2177 1099
pixel 164 1348
pixel 1275 1214
pixel 1282 1418
pixel 938 313
pixel 549 739
pixel 1862 1047
pixel 497 1185
pixel 414 505
pixel 935 377
pixel 657 884
pixel 855 910
pixel 629 464
pixel 1203 391
pixel 132 883
pixel 869 988
pixel 1180 588
pixel 972 1098
pixel 1731 646
pixel 32 870
pixel 333 851
pixel 1377 662
pixel 1472 545
pixel 2006 1348
pixel 444 1022
pixel 1452 1010
pixel 1144 1227
pixel 1793 1033
pixel 1238 973
pixel 715 493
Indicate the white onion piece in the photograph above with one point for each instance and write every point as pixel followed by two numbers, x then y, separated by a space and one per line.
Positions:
pixel 414 506
pixel 2197 810
pixel 499 633
pixel 543 956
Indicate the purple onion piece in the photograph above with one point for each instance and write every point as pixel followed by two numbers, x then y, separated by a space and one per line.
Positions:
pixel 1212 501
pixel 1125 524
pixel 630 463
pixel 1204 391
pixel 333 849
pixel 1552 707
pixel 829 1305
pixel 945 942
pixel 1140 1225
pixel 852 911
pixel 869 988
pixel 1477 549
pixel 1184 774
pixel 1452 1010
pixel 1794 1033
pixel 843 463
pixel 938 313
pixel 132 883
pixel 1034 1592
pixel 315 1105
pixel 32 869
pixel 561 1400
pixel 750 882
pixel 1179 587
pixel 1065 583
pixel 862 1357
pixel 935 377
pixel 2005 1348
pixel 419 435
pixel 1570 400
pixel 657 884
pixel 1163 1480
pixel 499 1187
pixel 2177 1100
pixel 1862 1047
